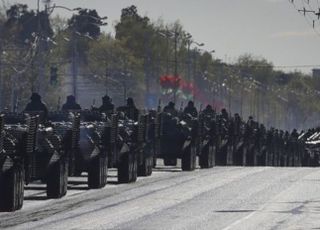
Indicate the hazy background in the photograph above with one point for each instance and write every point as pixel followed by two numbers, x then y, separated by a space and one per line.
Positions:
pixel 272 29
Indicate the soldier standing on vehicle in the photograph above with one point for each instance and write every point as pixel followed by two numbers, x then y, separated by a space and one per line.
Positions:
pixel 170 109
pixel 223 122
pixel 190 109
pixel 249 130
pixel 237 125
pixel 107 105
pixel 209 111
pixel 71 104
pixel 36 105
pixel 224 114
pixel 130 110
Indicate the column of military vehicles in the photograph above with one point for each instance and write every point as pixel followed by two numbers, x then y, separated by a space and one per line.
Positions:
pixel 72 142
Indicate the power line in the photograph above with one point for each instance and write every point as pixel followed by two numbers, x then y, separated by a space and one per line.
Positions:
pixel 296 66
pixel 310 10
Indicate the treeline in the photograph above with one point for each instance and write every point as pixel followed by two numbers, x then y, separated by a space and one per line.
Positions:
pixel 145 59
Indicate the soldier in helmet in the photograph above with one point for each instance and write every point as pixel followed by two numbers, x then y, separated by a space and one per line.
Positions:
pixel 224 114
pixel 209 111
pixel 191 109
pixel 107 105
pixel 36 105
pixel 71 104
pixel 237 124
pixel 170 108
pixel 130 110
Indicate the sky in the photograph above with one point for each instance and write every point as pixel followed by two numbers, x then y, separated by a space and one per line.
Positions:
pixel 271 29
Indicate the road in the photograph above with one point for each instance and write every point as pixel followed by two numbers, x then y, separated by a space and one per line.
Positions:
pixel 218 198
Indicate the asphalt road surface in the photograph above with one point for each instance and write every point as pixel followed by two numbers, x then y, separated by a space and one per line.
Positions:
pixel 218 198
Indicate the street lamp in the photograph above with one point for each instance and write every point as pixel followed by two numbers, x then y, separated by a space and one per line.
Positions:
pixel 189 43
pixel 43 40
pixel 167 34
pixel 99 22
pixel 175 34
pixel 75 50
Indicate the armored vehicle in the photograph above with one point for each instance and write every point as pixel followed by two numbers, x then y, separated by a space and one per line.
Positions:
pixel 31 151
pixel 178 140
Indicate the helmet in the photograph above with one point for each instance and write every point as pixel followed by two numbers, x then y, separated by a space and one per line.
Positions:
pixel 71 99
pixel 35 97
pixel 130 101
pixel 106 98
pixel 190 104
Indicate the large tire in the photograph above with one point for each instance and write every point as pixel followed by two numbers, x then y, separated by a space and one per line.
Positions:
pixel 134 169
pixel 249 156
pixel 276 160
pixel 71 164
pixel 238 156
pixel 206 159
pixel 270 158
pixel 188 160
pixel 127 168
pixel 57 179
pixel 145 169
pixel 154 162
pixel 244 156
pixel 170 161
pixel 12 189
pixel 78 164
pixel 97 172
pixel 229 157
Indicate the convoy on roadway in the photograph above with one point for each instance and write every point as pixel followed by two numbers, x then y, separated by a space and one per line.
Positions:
pixel 62 144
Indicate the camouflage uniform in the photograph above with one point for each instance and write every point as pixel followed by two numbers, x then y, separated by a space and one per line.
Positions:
pixel 130 110
pixel 170 109
pixel 36 105
pixel 71 104
pixel 107 106
pixel 190 109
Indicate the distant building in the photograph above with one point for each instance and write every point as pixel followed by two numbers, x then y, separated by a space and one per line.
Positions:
pixel 316 73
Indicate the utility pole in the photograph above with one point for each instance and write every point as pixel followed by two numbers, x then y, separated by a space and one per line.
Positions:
pixel 40 54
pixel 176 34
pixel 147 66
pixel 167 58
pixel 74 64
pixel 1 82
pixel 194 67
pixel 106 82
pixel 189 62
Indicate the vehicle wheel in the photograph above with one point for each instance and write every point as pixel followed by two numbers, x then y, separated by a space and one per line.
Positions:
pixel 188 160
pixel 170 161
pixel 154 162
pixel 271 156
pixel 244 156
pixel 206 159
pixel 57 179
pixel 79 164
pixel 276 160
pixel 134 172
pixel 71 164
pixel 97 172
pixel 255 158
pixel 229 160
pixel 237 156
pixel 146 168
pixel 12 189
pixel 127 168
pixel 250 157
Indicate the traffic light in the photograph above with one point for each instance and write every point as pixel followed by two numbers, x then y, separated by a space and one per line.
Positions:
pixel 53 75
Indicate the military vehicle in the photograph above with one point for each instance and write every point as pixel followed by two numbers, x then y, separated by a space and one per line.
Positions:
pixel 178 140
pixel 31 151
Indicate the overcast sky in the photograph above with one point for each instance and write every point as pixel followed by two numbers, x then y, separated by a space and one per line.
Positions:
pixel 272 29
